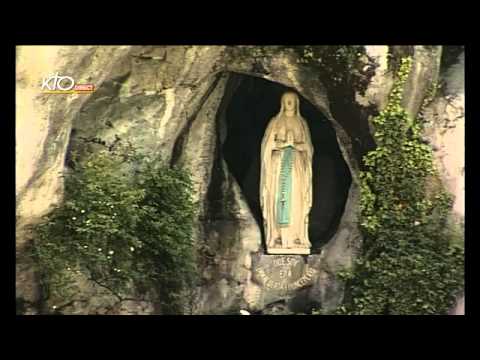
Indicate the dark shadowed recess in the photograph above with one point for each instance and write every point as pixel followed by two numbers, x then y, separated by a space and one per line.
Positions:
pixel 253 104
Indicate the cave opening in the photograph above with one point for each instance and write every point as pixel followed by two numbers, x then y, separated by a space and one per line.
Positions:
pixel 253 103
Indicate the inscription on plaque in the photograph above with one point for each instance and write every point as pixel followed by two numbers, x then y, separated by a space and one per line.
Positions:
pixel 284 273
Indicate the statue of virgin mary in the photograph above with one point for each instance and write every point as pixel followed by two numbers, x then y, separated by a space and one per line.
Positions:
pixel 286 179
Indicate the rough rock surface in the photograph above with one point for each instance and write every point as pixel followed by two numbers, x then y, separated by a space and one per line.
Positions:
pixel 171 101
pixel 446 134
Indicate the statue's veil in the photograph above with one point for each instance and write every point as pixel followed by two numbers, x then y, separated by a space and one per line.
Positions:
pixel 297 105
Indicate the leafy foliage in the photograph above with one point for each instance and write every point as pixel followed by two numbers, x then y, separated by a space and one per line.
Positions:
pixel 410 264
pixel 125 224
pixel 338 65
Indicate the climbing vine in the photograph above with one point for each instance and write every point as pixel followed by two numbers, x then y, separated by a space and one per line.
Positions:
pixel 409 265
pixel 125 225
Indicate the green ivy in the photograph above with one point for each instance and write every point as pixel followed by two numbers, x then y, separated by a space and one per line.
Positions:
pixel 410 263
pixel 125 224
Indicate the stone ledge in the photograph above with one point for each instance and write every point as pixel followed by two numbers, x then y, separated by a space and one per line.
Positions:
pixel 296 251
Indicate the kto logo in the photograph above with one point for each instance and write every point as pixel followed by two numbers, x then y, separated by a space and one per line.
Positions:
pixel 56 84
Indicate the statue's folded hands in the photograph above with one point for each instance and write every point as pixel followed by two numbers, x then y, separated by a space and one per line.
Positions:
pixel 300 146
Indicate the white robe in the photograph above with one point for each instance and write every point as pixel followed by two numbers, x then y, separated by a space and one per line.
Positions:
pixel 295 234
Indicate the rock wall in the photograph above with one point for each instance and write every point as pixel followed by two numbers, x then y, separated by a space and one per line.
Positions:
pixel 43 126
pixel 171 101
pixel 446 134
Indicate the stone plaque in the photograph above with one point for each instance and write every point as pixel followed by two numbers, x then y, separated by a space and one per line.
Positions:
pixel 283 273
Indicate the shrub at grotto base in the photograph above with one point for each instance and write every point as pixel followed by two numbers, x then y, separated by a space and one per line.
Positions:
pixel 125 224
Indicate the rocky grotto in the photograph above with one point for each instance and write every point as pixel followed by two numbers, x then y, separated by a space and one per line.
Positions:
pixel 205 109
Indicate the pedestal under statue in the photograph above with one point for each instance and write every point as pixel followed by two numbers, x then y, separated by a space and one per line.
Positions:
pixel 286 180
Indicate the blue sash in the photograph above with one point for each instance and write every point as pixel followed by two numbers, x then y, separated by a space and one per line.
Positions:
pixel 284 193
